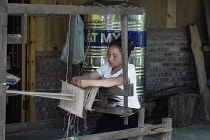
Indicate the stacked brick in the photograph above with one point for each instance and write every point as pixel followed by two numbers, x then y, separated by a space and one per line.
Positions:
pixel 49 71
pixel 170 61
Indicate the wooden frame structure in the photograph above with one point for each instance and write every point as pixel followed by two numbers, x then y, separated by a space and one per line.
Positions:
pixel 25 10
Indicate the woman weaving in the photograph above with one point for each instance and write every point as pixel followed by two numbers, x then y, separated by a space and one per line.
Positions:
pixel 108 75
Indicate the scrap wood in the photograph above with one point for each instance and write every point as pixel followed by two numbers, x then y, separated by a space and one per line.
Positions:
pixel 162 130
pixel 164 92
pixel 196 46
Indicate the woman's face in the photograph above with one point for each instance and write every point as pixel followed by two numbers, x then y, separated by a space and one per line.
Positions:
pixel 114 57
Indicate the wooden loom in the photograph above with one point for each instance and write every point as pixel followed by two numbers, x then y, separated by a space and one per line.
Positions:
pixel 25 10
pixel 72 98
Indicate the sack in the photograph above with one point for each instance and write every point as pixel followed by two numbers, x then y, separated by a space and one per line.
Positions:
pixel 78 50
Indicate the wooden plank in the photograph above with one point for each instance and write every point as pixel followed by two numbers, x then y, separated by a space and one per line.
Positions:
pixel 48 30
pixel 14 39
pixel 171 14
pixel 31 66
pixel 196 47
pixel 182 13
pixel 3 68
pixel 150 6
pixel 122 134
pixel 114 110
pixel 181 109
pixel 161 13
pixel 58 30
pixel 65 10
pixel 40 34
pixel 48 53
pixel 193 12
pixel 23 79
pixel 40 31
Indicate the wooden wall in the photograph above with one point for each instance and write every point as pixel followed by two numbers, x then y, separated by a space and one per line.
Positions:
pixel 50 31
pixel 187 12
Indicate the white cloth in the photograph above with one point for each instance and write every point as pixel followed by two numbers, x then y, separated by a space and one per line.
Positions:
pixel 105 72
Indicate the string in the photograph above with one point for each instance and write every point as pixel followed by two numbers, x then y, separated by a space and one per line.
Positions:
pixel 85 119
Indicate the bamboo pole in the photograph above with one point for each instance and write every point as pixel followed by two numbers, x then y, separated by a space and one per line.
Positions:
pixel 3 52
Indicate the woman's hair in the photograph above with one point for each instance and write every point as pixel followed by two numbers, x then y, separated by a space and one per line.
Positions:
pixel 118 43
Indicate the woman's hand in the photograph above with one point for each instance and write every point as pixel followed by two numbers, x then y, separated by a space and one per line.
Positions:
pixel 75 79
pixel 79 81
pixel 86 79
pixel 82 83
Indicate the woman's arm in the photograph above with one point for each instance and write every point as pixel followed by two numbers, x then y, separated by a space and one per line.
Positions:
pixel 92 75
pixel 108 82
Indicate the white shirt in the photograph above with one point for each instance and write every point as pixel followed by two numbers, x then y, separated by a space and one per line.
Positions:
pixel 105 72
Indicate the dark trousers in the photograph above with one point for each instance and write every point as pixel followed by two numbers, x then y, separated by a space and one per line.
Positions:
pixel 110 122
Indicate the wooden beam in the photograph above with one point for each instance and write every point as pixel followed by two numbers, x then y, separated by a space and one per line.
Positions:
pixel 3 57
pixel 133 132
pixel 65 10
pixel 196 47
pixel 14 39
pixel 114 110
pixel 118 91
pixel 171 14
pixel 48 53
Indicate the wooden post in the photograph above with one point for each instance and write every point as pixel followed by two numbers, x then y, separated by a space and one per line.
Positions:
pixel 167 135
pixel 171 14
pixel 24 27
pixel 3 57
pixel 200 66
pixel 24 30
pixel 141 116
pixel 124 34
pixel 71 44
pixel 31 66
pixel 23 80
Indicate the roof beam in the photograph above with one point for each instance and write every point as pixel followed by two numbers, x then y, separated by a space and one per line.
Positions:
pixel 65 10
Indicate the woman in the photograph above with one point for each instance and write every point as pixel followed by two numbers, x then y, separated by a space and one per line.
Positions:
pixel 108 75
